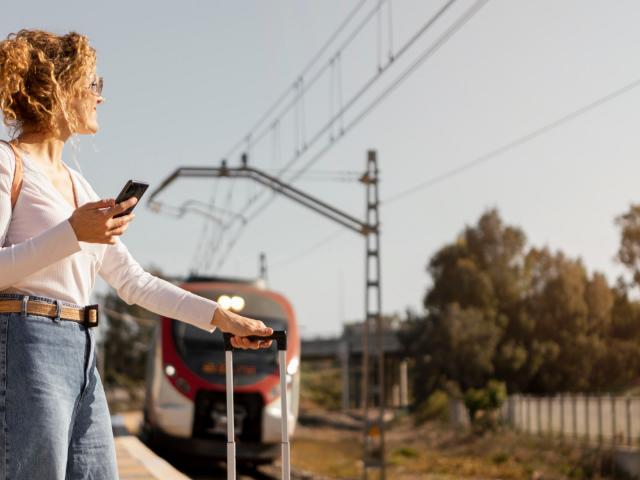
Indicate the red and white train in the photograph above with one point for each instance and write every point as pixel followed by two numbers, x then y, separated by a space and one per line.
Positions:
pixel 184 408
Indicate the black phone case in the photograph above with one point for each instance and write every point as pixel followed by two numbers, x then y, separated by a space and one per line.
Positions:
pixel 133 188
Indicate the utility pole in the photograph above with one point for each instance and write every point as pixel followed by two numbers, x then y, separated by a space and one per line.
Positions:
pixel 373 424
pixel 372 385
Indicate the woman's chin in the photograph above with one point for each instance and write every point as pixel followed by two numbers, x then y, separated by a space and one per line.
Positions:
pixel 89 129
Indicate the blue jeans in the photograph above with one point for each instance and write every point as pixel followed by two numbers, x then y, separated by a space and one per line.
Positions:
pixel 54 419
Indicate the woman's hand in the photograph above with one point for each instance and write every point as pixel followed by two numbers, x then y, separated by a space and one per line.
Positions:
pixel 241 327
pixel 93 222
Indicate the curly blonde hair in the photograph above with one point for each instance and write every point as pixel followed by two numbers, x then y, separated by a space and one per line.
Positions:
pixel 40 74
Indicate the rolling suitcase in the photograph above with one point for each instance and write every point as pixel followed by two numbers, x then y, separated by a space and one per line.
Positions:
pixel 280 338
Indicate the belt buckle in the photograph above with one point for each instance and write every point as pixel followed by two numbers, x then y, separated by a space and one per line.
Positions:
pixel 87 322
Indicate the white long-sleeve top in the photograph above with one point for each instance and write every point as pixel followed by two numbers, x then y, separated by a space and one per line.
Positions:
pixel 40 254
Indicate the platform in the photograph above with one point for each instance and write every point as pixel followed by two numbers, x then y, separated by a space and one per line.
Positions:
pixel 135 460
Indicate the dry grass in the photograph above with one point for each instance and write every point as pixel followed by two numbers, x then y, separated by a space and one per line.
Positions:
pixel 434 451
pixel 329 447
pixel 333 448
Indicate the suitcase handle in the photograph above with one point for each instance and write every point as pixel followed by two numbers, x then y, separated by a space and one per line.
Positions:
pixel 280 336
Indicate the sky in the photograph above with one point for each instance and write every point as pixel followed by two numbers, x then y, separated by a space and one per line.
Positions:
pixel 185 82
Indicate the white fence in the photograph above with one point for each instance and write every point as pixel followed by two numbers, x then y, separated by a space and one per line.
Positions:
pixel 594 419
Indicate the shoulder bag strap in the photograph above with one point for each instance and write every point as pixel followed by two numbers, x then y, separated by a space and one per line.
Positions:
pixel 16 185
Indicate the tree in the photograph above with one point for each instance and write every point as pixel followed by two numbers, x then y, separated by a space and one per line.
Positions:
pixel 529 317
pixel 629 251
pixel 481 269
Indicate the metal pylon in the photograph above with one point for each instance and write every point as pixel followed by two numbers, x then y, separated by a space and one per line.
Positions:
pixel 373 385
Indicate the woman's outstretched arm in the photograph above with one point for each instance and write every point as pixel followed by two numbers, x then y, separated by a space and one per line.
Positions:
pixel 135 285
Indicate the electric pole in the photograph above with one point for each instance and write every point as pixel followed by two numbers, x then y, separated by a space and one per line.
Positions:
pixel 373 424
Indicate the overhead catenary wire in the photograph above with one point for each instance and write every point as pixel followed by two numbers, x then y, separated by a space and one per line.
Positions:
pixel 368 84
pixel 302 73
pixel 483 158
pixel 511 144
pixel 340 114
pixel 259 135
pixel 456 26
pixel 297 89
pixel 488 156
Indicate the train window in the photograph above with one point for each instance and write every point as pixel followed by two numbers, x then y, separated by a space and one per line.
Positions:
pixel 203 353
pixel 256 305
pixel 190 337
pixel 195 345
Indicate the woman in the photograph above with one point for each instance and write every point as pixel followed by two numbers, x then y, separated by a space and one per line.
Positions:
pixel 54 421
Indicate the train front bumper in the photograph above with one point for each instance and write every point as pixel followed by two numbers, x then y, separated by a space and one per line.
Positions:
pixel 215 448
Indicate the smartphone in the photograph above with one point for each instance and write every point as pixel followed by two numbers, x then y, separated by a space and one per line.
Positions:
pixel 133 188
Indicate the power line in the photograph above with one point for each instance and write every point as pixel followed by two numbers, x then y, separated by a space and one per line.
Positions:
pixel 304 71
pixel 456 26
pixel 404 48
pixel 512 144
pixel 336 58
pixel 485 157
pixel 340 114
pixel 307 85
pixel 298 89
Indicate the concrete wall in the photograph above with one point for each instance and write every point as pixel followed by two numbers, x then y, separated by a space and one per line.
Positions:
pixel 605 420
pixel 594 419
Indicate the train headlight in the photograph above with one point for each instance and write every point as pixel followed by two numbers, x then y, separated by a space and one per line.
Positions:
pixel 224 301
pixel 236 302
pixel 170 370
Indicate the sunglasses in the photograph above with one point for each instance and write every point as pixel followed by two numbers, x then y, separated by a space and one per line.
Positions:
pixel 96 86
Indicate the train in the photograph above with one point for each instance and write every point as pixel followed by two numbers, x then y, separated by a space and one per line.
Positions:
pixel 184 406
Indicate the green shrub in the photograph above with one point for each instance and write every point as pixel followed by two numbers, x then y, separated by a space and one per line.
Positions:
pixel 435 407
pixel 483 403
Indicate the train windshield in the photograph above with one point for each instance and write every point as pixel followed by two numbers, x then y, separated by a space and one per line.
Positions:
pixel 197 346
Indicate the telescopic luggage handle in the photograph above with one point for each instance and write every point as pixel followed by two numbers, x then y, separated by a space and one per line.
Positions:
pixel 280 337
